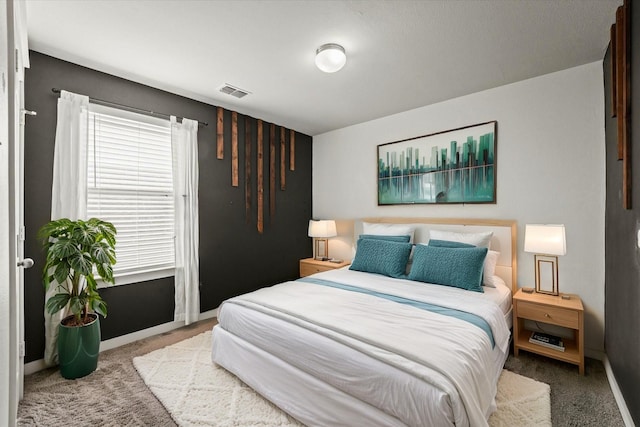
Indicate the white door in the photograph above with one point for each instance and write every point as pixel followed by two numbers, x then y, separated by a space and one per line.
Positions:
pixel 21 61
pixel 14 54
pixel 6 327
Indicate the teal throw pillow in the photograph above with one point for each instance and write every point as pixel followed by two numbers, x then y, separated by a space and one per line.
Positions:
pixel 458 267
pixel 381 257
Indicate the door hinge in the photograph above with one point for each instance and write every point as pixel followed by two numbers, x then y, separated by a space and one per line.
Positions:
pixel 21 349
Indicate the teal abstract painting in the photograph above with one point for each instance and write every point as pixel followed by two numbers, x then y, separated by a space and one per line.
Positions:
pixel 454 166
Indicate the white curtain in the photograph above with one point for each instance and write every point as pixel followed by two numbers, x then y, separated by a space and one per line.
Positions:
pixel 69 190
pixel 184 142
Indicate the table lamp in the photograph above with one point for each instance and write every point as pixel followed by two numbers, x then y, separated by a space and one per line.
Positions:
pixel 547 242
pixel 321 231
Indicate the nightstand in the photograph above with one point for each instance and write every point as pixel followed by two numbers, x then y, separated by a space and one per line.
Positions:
pixel 310 266
pixel 551 310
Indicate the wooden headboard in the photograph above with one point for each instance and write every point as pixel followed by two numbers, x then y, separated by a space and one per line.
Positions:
pixel 504 238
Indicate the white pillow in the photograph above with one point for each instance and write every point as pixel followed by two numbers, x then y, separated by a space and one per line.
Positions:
pixel 381 229
pixel 481 240
pixel 489 272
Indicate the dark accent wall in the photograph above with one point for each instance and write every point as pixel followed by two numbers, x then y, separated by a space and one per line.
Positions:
pixel 234 257
pixel 622 255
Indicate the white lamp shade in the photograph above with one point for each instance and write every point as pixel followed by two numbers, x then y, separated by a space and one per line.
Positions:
pixel 548 239
pixel 330 57
pixel 323 228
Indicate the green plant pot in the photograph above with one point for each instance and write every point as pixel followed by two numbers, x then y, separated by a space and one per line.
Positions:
pixel 78 348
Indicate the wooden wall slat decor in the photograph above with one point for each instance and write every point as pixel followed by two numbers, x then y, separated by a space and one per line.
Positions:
pixel 234 148
pixel 272 171
pixel 614 97
pixel 247 168
pixel 283 160
pixel 626 108
pixel 292 150
pixel 260 178
pixel 621 59
pixel 220 132
pixel 260 138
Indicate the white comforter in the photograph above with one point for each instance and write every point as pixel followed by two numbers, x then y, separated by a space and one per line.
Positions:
pixel 450 354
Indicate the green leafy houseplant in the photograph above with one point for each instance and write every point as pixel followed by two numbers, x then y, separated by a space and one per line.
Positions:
pixel 74 250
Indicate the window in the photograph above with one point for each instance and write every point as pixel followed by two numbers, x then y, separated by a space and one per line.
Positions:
pixel 130 183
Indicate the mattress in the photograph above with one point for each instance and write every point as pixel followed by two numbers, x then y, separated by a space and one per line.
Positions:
pixel 501 295
pixel 330 378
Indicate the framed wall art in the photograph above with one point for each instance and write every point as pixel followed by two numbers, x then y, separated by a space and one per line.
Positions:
pixel 454 166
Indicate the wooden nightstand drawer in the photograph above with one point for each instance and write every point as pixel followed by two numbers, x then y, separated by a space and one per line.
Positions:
pixel 310 266
pixel 308 269
pixel 555 315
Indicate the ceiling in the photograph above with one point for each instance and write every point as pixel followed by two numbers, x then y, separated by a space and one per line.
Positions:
pixel 401 54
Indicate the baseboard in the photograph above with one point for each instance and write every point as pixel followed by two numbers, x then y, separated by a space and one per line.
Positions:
pixel 35 366
pixel 617 394
pixel 39 365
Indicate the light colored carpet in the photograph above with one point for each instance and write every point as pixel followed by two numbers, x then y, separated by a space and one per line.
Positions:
pixel 196 392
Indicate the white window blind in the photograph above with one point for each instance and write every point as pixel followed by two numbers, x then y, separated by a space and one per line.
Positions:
pixel 130 184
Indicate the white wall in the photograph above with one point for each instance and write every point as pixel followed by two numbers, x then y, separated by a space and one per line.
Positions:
pixel 550 166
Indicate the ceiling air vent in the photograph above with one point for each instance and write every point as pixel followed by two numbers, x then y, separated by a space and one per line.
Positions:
pixel 233 91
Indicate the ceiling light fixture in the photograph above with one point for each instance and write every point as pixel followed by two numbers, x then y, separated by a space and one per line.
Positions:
pixel 330 57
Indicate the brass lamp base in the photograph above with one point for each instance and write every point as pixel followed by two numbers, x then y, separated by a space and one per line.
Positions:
pixel 321 252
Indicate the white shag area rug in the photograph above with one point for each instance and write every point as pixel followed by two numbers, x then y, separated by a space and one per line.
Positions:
pixel 196 392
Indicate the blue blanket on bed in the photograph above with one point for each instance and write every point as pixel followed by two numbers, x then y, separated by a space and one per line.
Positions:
pixel 462 315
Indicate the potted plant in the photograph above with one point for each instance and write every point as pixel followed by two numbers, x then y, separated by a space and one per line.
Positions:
pixel 76 250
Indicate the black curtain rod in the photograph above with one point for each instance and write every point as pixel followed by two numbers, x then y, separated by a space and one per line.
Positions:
pixel 129 108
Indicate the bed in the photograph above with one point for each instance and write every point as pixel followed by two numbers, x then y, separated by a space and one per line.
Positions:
pixel 360 347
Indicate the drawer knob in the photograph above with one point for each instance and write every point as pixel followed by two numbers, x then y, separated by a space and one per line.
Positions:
pixel 547 315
